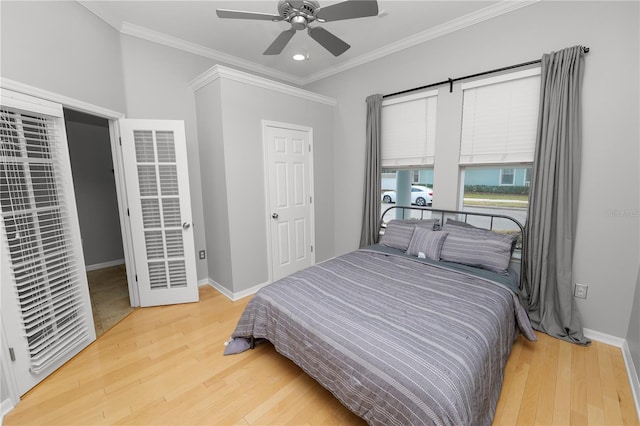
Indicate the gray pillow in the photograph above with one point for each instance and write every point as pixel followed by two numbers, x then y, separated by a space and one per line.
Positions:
pixel 428 242
pixel 426 223
pixel 460 223
pixel 397 235
pixel 477 247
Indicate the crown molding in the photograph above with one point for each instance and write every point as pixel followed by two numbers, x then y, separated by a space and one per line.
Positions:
pixel 485 14
pixel 457 24
pixel 197 49
pixel 218 71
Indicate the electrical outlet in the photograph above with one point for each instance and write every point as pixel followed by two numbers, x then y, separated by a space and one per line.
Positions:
pixel 201 254
pixel 580 291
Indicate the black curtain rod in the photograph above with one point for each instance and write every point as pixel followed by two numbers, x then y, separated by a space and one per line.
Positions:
pixel 450 81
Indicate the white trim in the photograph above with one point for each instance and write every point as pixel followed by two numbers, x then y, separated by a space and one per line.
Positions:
pixel 410 97
pixel 529 72
pixel 485 14
pixel 218 71
pixel 125 223
pixel 103 265
pixel 197 49
pixel 228 293
pixel 12 99
pixel 8 373
pixel 61 99
pixel 473 18
pixel 5 408
pixel 603 337
pixel 632 374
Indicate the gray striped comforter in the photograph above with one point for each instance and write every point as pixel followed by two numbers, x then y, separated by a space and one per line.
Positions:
pixel 396 341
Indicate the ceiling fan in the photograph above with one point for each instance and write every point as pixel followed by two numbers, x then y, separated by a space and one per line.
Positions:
pixel 301 13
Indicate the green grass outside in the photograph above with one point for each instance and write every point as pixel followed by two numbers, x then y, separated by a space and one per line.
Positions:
pixel 501 200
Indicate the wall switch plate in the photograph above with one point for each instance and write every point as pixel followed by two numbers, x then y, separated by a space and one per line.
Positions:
pixel 201 254
pixel 580 291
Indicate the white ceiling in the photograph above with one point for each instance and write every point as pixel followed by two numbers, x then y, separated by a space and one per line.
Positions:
pixel 194 26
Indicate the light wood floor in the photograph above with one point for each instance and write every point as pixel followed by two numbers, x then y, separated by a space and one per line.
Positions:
pixel 165 366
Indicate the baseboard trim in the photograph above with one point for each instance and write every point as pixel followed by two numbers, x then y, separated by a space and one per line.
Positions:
pixel 228 293
pixel 634 379
pixel 103 265
pixel 5 407
pixel 604 338
pixel 632 374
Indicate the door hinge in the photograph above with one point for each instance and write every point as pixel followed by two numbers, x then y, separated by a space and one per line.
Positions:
pixel 12 354
pixel 120 138
pixel 311 249
pixel 136 277
pixel 309 147
pixel 310 200
pixel 128 212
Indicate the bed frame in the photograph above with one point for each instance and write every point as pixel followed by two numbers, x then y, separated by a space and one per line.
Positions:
pixel 405 212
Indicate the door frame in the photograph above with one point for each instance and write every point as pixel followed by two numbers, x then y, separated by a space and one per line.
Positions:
pixel 267 188
pixel 114 134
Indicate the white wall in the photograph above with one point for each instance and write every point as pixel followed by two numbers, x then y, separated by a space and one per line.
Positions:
pixel 607 247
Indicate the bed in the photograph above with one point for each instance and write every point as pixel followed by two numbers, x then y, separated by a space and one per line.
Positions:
pixel 401 336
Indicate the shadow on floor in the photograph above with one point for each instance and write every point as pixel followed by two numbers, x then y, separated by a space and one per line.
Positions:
pixel 109 294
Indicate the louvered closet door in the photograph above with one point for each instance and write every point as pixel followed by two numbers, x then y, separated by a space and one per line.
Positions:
pixel 46 310
pixel 157 181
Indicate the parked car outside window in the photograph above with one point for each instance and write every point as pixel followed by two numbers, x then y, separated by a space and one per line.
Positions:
pixel 420 195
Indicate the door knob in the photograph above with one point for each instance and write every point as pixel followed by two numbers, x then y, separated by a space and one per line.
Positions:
pixel 274 215
pixel 186 225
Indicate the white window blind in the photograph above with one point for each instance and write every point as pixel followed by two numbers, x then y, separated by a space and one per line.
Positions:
pixel 36 217
pixel 499 119
pixel 408 130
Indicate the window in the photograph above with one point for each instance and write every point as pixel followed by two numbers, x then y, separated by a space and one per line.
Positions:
pixel 408 150
pixel 415 185
pixel 409 130
pixel 499 119
pixel 497 142
pixel 507 176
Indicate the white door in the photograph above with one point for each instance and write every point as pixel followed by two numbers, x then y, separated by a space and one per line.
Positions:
pixel 157 185
pixel 46 310
pixel 288 158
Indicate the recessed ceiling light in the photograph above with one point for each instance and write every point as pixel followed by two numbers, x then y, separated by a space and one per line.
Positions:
pixel 299 57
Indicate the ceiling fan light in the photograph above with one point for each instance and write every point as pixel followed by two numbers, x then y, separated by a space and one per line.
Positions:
pixel 299 57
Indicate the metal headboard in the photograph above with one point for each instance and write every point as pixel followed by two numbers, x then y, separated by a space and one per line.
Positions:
pixel 462 216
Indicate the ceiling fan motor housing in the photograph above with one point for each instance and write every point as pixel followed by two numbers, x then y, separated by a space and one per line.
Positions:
pixel 298 13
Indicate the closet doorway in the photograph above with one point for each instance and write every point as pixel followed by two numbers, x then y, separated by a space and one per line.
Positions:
pixel 95 191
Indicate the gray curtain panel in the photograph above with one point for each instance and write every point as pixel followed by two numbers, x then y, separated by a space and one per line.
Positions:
pixel 372 191
pixel 553 202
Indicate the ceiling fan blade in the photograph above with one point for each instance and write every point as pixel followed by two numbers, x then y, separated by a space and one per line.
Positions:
pixel 349 9
pixel 280 42
pixel 238 14
pixel 330 42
